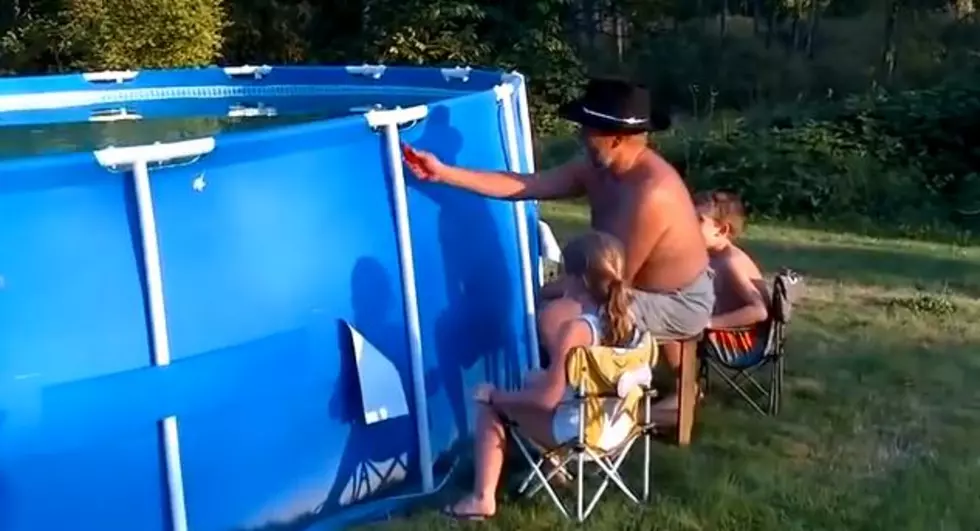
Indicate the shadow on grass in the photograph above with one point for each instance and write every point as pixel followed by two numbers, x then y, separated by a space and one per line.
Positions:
pixel 865 266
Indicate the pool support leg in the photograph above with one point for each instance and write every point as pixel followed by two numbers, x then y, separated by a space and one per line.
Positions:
pixel 137 159
pixel 504 92
pixel 161 340
pixel 389 121
pixel 525 112
pixel 527 141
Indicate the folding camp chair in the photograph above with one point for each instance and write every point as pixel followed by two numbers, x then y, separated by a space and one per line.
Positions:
pixel 597 374
pixel 736 354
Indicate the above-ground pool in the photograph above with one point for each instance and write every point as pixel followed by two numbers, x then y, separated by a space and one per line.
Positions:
pixel 224 304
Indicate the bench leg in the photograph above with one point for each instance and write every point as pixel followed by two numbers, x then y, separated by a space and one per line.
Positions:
pixel 687 392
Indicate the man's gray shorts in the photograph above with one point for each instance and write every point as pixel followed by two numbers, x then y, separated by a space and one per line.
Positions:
pixel 676 314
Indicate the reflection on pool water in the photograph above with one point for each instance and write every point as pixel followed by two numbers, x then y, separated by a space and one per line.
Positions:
pixel 30 133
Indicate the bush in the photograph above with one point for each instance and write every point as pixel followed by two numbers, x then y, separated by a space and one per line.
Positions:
pixel 118 34
pixel 904 159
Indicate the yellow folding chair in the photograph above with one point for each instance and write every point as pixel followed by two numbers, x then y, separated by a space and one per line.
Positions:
pixel 600 380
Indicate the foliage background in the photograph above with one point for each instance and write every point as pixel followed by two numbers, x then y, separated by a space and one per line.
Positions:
pixel 858 112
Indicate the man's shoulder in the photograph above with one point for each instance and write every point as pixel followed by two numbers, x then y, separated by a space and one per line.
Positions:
pixel 658 176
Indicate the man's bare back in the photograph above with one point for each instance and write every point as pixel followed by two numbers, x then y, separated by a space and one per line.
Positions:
pixel 650 210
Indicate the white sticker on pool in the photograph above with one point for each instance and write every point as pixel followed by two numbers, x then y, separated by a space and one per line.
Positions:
pixel 199 183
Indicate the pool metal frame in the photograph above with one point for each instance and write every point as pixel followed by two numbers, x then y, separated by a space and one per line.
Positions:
pixel 138 159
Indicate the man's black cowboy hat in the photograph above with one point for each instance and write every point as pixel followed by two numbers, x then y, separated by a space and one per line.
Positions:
pixel 615 106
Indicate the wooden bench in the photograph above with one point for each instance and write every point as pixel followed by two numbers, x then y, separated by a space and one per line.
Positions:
pixel 682 356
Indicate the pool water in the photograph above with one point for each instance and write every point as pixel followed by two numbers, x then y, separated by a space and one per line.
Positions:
pixel 89 128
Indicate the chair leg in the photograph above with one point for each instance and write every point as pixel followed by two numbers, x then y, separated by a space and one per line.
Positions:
pixel 580 487
pixel 541 477
pixel 776 387
pixel 704 377
pixel 738 388
pixel 647 441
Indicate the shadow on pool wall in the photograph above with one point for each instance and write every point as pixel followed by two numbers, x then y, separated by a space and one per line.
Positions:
pixel 271 245
pixel 375 456
pixel 467 276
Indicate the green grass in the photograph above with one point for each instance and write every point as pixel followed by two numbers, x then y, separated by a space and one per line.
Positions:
pixel 880 426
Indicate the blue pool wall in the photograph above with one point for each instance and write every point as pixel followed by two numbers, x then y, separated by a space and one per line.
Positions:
pixel 292 239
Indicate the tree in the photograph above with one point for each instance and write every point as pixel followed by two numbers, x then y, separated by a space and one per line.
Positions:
pixel 116 34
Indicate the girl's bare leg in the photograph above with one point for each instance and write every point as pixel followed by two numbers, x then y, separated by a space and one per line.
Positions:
pixel 488 453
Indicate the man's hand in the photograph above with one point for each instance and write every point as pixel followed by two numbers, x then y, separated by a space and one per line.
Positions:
pixel 425 165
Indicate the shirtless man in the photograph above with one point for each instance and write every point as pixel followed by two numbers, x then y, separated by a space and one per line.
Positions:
pixel 633 194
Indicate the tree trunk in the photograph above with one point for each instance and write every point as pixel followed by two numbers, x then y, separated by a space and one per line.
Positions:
pixel 889 52
pixel 756 17
pixel 795 31
pixel 770 24
pixel 811 33
pixel 589 23
pixel 620 29
pixel 723 19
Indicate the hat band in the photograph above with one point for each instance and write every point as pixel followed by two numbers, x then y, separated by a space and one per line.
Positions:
pixel 629 121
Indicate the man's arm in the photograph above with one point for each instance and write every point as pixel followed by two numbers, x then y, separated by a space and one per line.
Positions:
pixel 562 182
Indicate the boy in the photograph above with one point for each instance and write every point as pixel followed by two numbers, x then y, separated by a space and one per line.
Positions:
pixel 740 291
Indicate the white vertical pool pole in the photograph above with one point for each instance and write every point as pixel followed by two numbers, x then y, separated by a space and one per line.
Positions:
pixel 525 111
pixel 136 159
pixel 528 142
pixel 390 120
pixel 504 92
pixel 161 340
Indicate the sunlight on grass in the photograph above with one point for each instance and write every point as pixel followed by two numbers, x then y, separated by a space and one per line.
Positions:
pixel 880 425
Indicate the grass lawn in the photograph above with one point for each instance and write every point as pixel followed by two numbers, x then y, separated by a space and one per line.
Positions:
pixel 880 426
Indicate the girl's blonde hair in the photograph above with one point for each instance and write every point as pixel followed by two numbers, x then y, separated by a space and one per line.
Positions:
pixel 598 259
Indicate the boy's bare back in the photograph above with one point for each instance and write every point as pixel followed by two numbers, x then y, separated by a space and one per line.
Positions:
pixel 738 280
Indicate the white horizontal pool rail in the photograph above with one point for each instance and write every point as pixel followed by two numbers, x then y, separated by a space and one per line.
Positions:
pixel 398 117
pixel 504 92
pixel 459 73
pixel 372 71
pixel 137 159
pixel 110 76
pixel 389 121
pixel 36 101
pixel 255 72
pixel 115 157
pixel 114 115
pixel 242 111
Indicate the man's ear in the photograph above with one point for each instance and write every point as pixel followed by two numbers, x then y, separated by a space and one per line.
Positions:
pixel 617 140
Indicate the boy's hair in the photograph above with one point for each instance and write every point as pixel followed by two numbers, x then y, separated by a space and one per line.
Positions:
pixel 725 208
